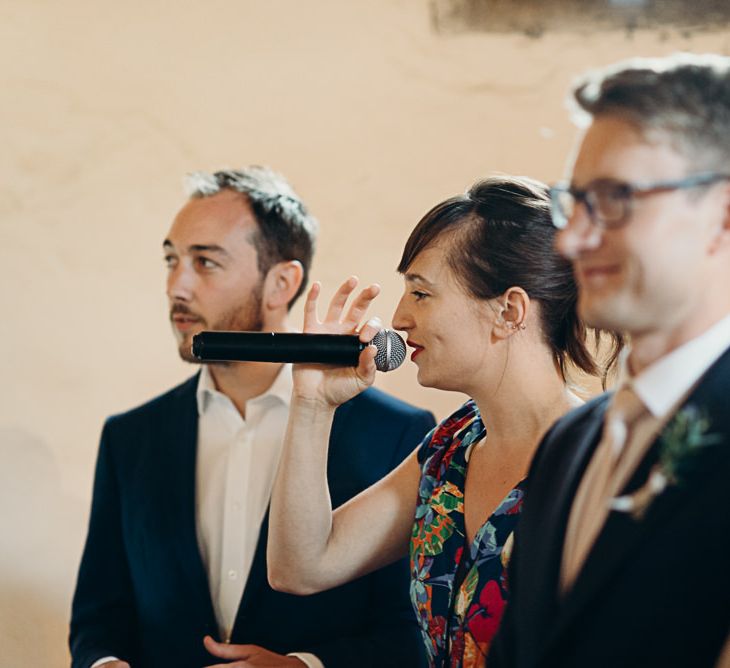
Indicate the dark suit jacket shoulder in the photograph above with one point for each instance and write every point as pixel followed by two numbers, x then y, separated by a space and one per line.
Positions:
pixel 377 420
pixel 654 590
pixel 142 593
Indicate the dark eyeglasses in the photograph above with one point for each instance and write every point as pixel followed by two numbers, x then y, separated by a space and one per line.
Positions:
pixel 609 202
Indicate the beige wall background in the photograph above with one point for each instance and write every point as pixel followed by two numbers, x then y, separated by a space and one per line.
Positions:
pixel 105 105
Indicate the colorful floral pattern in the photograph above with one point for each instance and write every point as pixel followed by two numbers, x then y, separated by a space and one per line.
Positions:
pixel 458 590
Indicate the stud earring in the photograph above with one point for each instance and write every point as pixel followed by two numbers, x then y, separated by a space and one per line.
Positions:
pixel 511 325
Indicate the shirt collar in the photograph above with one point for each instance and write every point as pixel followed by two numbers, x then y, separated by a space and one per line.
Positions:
pixel 664 383
pixel 280 390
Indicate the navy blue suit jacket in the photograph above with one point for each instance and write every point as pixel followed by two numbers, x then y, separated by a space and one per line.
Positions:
pixel 653 591
pixel 142 592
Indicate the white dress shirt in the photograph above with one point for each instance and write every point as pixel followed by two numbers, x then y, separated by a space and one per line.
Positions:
pixel 666 383
pixel 236 463
pixel 235 469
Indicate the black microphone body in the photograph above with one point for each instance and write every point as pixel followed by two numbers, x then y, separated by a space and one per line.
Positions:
pixel 335 349
pixel 278 347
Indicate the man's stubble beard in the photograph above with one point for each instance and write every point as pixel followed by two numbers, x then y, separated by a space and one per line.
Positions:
pixel 244 318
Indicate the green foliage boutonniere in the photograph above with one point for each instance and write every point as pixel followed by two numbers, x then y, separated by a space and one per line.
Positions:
pixel 680 440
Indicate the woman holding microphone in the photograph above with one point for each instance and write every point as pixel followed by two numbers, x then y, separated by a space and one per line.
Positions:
pixel 489 310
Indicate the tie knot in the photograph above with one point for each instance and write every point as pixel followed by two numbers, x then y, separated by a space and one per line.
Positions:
pixel 626 405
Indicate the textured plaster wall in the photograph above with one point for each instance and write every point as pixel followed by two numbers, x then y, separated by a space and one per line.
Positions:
pixel 105 105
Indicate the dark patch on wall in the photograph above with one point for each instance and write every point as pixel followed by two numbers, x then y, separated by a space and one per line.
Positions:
pixel 536 17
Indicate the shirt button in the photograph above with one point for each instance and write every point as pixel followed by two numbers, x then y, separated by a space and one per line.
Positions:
pixel 232 575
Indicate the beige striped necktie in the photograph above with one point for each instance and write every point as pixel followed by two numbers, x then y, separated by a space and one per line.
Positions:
pixel 590 506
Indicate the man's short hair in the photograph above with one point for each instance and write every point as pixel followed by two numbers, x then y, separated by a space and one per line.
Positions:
pixel 683 97
pixel 286 230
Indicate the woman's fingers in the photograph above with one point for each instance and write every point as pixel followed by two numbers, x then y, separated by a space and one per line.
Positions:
pixel 360 305
pixel 337 304
pixel 370 329
pixel 353 314
pixel 310 307
pixel 366 367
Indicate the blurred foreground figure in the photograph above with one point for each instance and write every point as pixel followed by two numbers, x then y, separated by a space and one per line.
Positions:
pixel 621 557
pixel 179 519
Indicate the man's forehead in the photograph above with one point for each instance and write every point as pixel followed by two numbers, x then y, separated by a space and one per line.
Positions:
pixel 208 223
pixel 611 147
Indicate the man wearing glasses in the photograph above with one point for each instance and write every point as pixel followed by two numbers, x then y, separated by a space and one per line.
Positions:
pixel 622 555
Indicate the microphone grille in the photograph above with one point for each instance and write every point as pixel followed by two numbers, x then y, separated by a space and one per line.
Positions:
pixel 391 350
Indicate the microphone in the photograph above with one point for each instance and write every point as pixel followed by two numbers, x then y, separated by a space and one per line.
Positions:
pixel 335 349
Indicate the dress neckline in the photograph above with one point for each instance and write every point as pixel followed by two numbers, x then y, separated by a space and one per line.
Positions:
pixel 473 546
pixel 507 503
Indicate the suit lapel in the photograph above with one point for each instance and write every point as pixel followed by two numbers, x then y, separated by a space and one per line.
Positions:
pixel 622 535
pixel 541 572
pixel 534 569
pixel 576 466
pixel 180 450
pixel 617 540
pixel 257 582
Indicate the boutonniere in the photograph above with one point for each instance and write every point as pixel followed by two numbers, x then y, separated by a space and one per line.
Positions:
pixel 680 440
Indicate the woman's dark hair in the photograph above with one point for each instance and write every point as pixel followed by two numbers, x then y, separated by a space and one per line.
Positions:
pixel 500 236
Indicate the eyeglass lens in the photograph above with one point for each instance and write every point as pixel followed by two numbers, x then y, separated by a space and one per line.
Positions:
pixel 606 203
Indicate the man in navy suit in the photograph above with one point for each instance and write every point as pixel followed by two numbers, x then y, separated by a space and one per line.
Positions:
pixel 173 572
pixel 622 552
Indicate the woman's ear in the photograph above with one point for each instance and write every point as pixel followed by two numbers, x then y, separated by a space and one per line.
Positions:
pixel 513 308
pixel 282 283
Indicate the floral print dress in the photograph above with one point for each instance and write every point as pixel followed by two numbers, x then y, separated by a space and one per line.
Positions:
pixel 458 590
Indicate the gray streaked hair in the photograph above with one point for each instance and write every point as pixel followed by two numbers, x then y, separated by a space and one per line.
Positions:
pixel 683 97
pixel 286 230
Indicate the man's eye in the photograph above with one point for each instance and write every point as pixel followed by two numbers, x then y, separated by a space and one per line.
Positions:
pixel 612 191
pixel 206 263
pixel 611 195
pixel 170 261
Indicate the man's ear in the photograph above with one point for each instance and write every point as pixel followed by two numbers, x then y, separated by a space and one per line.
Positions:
pixel 722 238
pixel 513 307
pixel 282 283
